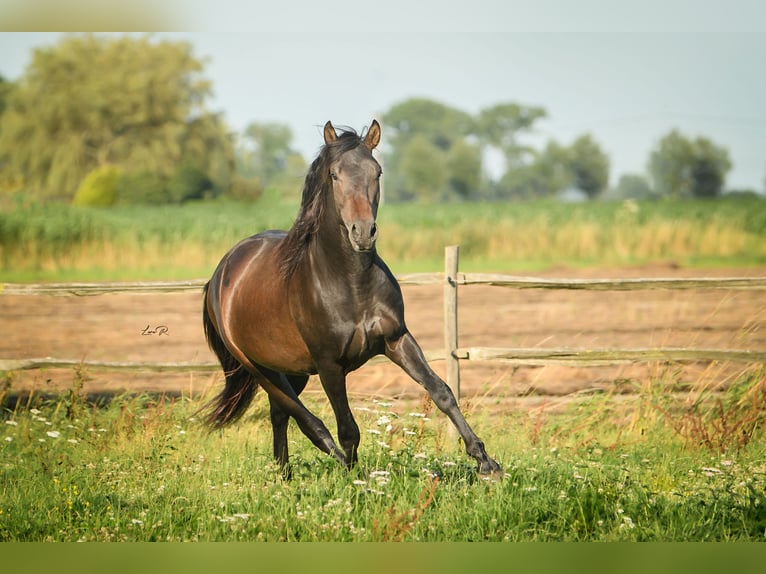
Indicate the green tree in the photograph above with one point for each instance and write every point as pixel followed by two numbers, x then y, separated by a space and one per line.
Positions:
pixel 424 168
pixel 633 186
pixel 548 173
pixel 709 168
pixel 5 88
pixel 502 125
pixel 441 124
pixel 589 166
pixel 266 154
pixel 582 165
pixel 464 169
pixel 681 167
pixel 135 103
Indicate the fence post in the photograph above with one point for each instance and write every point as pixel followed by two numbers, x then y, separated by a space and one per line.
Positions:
pixel 451 254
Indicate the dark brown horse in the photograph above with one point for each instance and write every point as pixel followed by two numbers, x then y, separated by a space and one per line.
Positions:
pixel 317 299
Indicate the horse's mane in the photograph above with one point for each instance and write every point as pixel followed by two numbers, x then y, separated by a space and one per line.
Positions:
pixel 311 211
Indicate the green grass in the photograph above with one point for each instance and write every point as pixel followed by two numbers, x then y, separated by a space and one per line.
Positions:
pixel 60 242
pixel 142 469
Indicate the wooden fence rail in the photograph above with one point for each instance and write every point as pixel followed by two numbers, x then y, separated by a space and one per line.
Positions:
pixel 521 356
pixel 512 281
pixel 452 353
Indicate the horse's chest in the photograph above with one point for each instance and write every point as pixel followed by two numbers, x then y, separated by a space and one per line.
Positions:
pixel 365 339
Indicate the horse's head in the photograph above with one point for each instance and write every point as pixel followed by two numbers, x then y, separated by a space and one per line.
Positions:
pixel 355 179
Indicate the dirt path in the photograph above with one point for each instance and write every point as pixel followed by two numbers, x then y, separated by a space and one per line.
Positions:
pixel 127 328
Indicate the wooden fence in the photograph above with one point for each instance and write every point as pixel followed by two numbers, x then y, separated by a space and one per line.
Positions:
pixel 452 353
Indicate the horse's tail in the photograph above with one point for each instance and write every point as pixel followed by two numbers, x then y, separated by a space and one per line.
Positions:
pixel 232 402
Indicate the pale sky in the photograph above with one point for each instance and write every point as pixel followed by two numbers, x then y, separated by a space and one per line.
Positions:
pixel 626 72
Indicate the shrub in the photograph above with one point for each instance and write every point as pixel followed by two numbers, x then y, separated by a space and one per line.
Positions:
pixel 143 187
pixel 189 182
pixel 99 188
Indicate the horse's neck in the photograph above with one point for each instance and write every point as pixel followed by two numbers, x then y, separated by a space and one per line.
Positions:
pixel 334 260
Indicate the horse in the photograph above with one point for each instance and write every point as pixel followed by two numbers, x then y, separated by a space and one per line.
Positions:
pixel 317 299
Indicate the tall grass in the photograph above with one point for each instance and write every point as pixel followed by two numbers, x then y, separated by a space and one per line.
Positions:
pixel 141 469
pixel 63 242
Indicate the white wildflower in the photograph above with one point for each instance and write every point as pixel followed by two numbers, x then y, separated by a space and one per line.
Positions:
pixel 12 423
pixel 53 433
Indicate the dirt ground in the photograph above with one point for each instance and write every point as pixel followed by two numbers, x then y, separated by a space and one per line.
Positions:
pixel 167 328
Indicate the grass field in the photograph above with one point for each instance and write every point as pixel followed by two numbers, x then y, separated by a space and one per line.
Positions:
pixel 658 466
pixel 59 242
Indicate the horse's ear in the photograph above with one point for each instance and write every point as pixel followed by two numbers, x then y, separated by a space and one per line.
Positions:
pixel 373 136
pixel 329 133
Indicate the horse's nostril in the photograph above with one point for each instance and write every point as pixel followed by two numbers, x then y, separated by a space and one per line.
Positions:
pixel 373 231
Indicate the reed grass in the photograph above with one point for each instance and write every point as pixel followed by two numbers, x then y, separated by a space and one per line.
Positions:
pixel 181 242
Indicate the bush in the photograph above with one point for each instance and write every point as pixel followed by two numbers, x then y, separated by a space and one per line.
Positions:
pixel 245 189
pixel 143 187
pixel 189 182
pixel 99 188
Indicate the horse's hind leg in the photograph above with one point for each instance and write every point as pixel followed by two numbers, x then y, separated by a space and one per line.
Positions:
pixel 282 393
pixel 279 421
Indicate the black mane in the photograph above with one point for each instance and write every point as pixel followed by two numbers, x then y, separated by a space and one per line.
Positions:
pixel 311 212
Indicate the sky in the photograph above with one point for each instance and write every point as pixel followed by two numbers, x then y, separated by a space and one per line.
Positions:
pixel 625 72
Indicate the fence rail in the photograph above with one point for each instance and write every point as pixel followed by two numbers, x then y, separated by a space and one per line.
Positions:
pixel 452 353
pixel 521 356
pixel 512 281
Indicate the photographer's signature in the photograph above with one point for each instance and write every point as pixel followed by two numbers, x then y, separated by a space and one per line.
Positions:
pixel 159 330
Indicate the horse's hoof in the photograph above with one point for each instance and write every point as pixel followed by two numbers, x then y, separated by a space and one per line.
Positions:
pixel 491 470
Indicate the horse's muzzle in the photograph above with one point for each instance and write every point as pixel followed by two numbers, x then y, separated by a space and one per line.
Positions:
pixel 362 235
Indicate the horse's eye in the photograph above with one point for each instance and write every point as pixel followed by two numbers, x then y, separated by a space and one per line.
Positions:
pixel 380 172
pixel 334 176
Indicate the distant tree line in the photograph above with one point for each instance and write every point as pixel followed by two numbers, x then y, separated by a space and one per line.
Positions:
pixel 102 120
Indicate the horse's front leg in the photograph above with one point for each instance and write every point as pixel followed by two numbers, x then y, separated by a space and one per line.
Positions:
pixel 406 353
pixel 334 383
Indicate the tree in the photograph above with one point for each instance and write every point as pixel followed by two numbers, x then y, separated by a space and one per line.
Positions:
pixel 680 167
pixel 133 103
pixel 266 154
pixel 589 166
pixel 5 88
pixel 441 124
pixel 547 174
pixel 582 165
pixel 633 186
pixel 464 169
pixel 501 125
pixel 429 129
pixel 709 167
pixel 424 167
